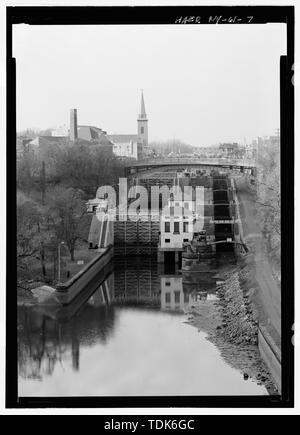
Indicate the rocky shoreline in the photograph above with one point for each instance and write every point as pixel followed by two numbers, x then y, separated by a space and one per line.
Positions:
pixel 231 324
pixel 239 319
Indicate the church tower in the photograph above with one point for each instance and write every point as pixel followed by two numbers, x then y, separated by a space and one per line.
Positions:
pixel 142 124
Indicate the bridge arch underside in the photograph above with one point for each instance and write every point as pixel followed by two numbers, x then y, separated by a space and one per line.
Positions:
pixel 138 169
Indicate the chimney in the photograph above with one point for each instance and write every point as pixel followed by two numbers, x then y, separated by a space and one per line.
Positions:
pixel 73 125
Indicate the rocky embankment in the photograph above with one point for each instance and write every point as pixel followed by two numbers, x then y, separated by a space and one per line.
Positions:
pixel 230 321
pixel 239 320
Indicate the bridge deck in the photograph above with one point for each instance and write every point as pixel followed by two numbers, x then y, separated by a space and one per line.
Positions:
pixel 192 162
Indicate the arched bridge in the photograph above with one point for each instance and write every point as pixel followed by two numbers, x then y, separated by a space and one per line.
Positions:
pixel 135 167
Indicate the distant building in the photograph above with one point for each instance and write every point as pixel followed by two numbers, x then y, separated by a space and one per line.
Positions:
pixel 177 223
pixel 229 148
pixel 133 146
pixel 126 145
pixel 42 142
pixel 81 134
pixel 250 150
pixel 93 134
pixel 273 141
pixel 143 124
pixel 48 140
pixel 61 131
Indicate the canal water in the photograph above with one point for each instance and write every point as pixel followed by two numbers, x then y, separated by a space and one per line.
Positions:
pixel 128 338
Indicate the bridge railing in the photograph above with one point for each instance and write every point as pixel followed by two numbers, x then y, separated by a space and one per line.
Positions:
pixel 193 160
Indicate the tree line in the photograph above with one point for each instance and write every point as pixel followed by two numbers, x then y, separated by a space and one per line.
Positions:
pixel 174 146
pixel 53 184
pixel 268 198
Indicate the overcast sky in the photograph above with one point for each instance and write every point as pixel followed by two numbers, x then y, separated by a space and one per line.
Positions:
pixel 203 84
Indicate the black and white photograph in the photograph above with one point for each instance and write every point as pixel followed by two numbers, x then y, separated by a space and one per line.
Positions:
pixel 151 162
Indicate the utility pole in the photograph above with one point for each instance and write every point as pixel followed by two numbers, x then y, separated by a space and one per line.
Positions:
pixel 43 182
pixel 59 245
pixel 58 276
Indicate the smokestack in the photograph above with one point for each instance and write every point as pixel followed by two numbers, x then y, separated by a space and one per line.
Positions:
pixel 73 125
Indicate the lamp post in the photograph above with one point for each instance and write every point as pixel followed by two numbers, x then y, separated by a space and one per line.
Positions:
pixel 59 245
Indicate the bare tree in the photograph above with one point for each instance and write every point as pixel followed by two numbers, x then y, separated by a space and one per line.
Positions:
pixel 33 232
pixel 268 197
pixel 67 210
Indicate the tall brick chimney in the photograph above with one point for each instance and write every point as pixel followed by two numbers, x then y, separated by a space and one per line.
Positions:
pixel 73 125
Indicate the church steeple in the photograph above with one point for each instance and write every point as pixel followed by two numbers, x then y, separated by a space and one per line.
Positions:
pixel 143 123
pixel 142 114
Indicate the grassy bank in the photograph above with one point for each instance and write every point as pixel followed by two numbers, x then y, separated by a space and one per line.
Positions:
pixel 68 268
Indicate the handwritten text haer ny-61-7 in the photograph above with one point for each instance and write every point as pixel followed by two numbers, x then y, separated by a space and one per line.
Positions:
pixel 217 19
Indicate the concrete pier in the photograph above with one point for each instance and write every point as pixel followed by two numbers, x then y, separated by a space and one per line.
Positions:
pixel 66 292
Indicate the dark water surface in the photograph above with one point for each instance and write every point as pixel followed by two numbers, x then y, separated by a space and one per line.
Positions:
pixel 127 338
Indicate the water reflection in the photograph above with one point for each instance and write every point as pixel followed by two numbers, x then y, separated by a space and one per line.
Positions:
pixel 44 341
pixel 126 330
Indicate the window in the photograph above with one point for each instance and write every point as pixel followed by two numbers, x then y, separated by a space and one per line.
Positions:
pixel 167 240
pixel 185 240
pixel 176 227
pixel 142 130
pixel 185 227
pixel 176 204
pixel 186 205
pixel 177 297
pixel 167 227
pixel 168 297
pixel 168 283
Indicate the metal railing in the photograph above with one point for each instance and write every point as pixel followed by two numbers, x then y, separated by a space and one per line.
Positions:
pixel 194 160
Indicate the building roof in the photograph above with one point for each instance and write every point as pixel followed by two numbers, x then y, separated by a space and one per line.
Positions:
pixel 55 140
pixel 48 139
pixel 92 131
pixel 92 127
pixel 123 138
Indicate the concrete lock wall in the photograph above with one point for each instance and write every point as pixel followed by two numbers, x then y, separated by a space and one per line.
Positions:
pixel 68 290
pixel 271 355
